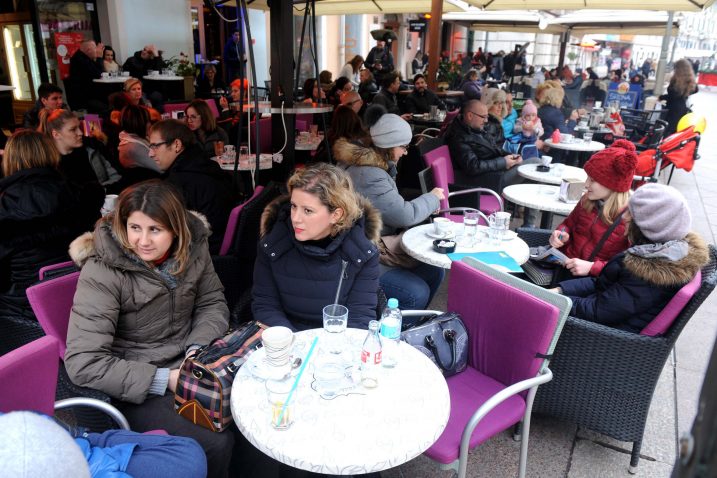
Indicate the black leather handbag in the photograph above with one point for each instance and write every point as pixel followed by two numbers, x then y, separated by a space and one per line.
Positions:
pixel 444 340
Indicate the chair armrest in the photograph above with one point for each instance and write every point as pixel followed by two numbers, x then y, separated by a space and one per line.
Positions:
pixel 105 407
pixel 479 190
pixel 464 209
pixel 544 376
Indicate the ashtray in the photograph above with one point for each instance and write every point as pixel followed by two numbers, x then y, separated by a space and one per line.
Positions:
pixel 444 246
pixel 542 169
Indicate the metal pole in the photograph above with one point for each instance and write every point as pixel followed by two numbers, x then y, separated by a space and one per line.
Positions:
pixel 660 72
pixel 434 36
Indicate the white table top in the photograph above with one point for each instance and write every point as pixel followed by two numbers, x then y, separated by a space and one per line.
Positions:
pixel 163 77
pixel 297 108
pixel 419 245
pixel 364 431
pixel 6 88
pixel 529 171
pixel 247 163
pixel 116 79
pixel 577 145
pixel 538 196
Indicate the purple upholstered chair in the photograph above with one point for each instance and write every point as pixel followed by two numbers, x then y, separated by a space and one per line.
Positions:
pixel 512 327
pixel 660 324
pixel 233 221
pixel 51 301
pixel 439 161
pixel 29 379
pixel 54 267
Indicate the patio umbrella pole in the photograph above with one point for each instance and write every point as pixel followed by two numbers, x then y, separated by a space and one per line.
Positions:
pixel 660 73
pixel 434 33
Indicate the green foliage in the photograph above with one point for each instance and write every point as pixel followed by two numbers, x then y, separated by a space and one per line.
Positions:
pixel 449 72
pixel 181 65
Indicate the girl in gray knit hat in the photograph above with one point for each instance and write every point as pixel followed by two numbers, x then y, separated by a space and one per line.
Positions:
pixel 635 285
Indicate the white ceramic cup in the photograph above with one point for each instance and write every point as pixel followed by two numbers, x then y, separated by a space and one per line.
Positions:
pixel 109 204
pixel 442 226
pixel 105 75
pixel 545 160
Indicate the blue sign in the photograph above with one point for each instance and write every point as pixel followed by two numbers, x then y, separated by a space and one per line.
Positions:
pixel 626 100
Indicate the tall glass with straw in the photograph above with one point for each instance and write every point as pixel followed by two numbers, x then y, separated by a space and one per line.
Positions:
pixel 336 317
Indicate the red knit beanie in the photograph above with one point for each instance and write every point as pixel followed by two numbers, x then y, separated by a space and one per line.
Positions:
pixel 614 167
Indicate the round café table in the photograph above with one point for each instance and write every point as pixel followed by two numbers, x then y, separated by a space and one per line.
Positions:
pixel 529 171
pixel 112 80
pixel 357 431
pixel 418 244
pixel 580 149
pixel 541 197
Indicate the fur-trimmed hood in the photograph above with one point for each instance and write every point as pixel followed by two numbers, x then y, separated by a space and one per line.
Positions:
pixel 665 273
pixel 103 243
pixel 347 154
pixel 371 217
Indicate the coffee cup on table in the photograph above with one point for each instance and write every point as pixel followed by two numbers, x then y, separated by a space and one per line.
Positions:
pixel 109 204
pixel 277 345
pixel 442 226
pixel 105 75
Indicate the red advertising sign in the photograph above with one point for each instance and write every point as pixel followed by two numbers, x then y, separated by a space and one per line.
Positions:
pixel 66 44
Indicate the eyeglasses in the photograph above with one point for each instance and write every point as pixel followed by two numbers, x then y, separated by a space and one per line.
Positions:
pixel 192 117
pixel 155 146
pixel 350 103
pixel 479 115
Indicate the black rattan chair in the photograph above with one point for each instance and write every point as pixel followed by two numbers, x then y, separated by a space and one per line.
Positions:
pixel 604 378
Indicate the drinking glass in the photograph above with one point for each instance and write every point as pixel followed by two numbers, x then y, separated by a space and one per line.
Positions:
pixel 218 148
pixel 336 319
pixel 277 392
pixel 243 152
pixel 588 136
pixel 470 227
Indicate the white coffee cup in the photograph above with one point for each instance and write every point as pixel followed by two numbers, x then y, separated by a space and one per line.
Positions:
pixel 442 226
pixel 545 160
pixel 110 203
pixel 566 138
pixel 105 75
pixel 125 73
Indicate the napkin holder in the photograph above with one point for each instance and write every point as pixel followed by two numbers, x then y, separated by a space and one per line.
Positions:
pixel 571 190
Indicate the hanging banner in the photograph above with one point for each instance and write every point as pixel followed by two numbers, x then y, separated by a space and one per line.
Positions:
pixel 66 44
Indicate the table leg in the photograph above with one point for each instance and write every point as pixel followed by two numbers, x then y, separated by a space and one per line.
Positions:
pixel 546 221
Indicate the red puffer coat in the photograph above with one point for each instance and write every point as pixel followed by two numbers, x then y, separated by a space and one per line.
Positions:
pixel 586 229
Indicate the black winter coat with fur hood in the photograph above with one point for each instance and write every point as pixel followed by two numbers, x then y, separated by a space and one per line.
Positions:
pixel 631 290
pixel 293 280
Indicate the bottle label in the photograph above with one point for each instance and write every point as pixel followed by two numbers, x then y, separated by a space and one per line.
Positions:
pixel 366 357
pixel 390 331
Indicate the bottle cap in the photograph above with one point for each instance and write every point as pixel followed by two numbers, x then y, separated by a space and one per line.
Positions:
pixel 393 303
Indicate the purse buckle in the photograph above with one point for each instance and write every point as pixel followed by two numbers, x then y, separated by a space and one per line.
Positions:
pixel 449 334
pixel 429 341
pixel 197 373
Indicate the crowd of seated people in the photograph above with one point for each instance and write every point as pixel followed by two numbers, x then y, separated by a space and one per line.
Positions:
pixel 338 206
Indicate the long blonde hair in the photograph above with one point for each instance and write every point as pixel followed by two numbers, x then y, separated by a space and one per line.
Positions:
pixel 613 205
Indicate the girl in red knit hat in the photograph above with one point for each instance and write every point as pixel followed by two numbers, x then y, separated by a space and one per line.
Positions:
pixel 610 174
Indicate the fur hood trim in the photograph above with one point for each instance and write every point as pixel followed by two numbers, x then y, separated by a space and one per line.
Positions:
pixel 371 215
pixel 664 273
pixel 83 247
pixel 352 154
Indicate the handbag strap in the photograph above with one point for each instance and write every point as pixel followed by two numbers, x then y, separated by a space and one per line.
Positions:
pixel 607 233
pixel 450 336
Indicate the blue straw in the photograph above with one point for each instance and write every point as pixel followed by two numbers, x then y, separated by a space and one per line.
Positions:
pixel 298 377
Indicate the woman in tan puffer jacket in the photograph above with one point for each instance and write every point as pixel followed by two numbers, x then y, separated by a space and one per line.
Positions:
pixel 147 297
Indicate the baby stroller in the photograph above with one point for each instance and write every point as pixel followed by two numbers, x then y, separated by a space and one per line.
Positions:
pixel 677 150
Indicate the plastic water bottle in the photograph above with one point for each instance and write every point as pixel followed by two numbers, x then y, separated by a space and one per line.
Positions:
pixel 371 356
pixel 391 320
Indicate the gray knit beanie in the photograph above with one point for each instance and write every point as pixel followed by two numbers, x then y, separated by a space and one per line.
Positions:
pixel 661 212
pixel 391 130
pixel 33 445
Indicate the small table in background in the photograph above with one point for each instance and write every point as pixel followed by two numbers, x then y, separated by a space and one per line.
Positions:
pixel 419 245
pixel 170 86
pixel 529 171
pixel 355 432
pixel 541 197
pixel 580 149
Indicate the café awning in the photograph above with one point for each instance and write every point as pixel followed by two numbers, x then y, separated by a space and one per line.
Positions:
pixel 358 7
pixel 664 5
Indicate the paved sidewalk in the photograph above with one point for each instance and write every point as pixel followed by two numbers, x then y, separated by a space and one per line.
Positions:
pixel 562 450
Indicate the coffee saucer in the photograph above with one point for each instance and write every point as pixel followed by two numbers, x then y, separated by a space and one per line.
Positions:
pixel 434 235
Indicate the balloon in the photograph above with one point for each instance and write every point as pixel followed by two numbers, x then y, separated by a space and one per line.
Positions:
pixel 699 123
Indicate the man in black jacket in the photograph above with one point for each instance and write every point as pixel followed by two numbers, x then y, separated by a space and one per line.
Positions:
pixel 204 186
pixel 380 60
pixel 388 95
pixel 421 98
pixel 477 160
pixel 85 67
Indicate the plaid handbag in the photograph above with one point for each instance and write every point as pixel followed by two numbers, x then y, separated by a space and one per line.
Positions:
pixel 205 379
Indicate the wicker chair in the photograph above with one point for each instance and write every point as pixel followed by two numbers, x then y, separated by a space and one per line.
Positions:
pixel 604 378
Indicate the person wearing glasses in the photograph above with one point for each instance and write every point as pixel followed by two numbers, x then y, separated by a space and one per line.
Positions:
pixel 204 186
pixel 201 121
pixel 421 98
pixel 477 159
pixel 353 100
pixel 373 171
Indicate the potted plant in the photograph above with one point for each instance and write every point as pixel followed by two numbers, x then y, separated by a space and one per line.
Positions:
pixel 449 73
pixel 183 67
